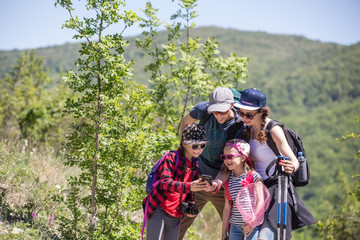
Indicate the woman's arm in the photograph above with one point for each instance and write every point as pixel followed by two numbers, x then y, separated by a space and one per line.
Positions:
pixel 282 145
pixel 260 195
pixel 225 220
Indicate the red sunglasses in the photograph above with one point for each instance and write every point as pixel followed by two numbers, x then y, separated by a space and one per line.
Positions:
pixel 232 156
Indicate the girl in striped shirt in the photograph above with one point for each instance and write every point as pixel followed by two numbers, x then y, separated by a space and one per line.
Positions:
pixel 237 162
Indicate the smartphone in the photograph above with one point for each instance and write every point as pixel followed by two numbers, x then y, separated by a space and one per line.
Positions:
pixel 207 178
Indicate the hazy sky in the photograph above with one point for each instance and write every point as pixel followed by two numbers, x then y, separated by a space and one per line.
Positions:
pixel 37 23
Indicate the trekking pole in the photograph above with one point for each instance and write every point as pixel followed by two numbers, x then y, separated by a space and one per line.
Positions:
pixel 286 179
pixel 279 171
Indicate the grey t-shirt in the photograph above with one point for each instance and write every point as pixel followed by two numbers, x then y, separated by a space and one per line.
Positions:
pixel 217 135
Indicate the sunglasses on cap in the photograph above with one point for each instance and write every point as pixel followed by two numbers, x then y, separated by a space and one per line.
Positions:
pixel 248 115
pixel 196 146
pixel 229 156
pixel 221 113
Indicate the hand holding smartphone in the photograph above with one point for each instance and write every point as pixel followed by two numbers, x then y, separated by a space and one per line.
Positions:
pixel 208 178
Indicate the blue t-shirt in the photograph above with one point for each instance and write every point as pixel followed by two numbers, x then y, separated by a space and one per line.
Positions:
pixel 216 133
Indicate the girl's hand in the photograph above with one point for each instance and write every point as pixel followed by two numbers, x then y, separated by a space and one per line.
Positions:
pixel 224 236
pixel 247 229
pixel 209 188
pixel 198 185
pixel 289 167
pixel 216 185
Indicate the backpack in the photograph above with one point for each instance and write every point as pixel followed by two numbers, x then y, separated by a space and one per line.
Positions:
pixel 237 124
pixel 296 146
pixel 152 182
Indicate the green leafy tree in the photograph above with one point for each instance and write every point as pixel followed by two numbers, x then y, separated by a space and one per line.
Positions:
pixel 184 70
pixel 344 223
pixel 22 92
pixel 114 139
pixel 30 107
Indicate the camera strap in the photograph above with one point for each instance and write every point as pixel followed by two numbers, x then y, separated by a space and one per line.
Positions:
pixel 194 171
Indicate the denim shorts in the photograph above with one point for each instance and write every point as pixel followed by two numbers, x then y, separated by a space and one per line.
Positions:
pixel 267 232
pixel 236 233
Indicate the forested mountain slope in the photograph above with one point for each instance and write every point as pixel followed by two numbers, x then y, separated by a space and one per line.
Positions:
pixel 313 87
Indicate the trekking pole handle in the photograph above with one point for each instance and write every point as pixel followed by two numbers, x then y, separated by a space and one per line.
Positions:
pixel 279 168
pixel 285 173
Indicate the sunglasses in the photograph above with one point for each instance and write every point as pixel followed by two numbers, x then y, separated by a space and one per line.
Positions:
pixel 196 146
pixel 229 156
pixel 221 113
pixel 248 115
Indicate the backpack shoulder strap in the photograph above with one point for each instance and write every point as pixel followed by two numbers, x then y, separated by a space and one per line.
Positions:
pixel 158 163
pixel 177 160
pixel 270 142
pixel 238 124
pixel 156 181
pixel 206 115
pixel 250 176
pixel 227 192
pixel 228 196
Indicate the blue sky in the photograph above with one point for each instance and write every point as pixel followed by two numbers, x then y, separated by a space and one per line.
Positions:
pixel 37 23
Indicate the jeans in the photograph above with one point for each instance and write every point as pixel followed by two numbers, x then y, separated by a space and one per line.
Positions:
pixel 267 232
pixel 236 233
pixel 162 226
pixel 201 198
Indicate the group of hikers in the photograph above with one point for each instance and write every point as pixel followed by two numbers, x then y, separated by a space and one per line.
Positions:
pixel 224 148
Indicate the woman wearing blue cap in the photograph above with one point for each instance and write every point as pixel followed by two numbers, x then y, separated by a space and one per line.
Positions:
pixel 254 112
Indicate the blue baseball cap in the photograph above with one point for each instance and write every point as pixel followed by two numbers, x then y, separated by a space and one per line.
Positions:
pixel 251 99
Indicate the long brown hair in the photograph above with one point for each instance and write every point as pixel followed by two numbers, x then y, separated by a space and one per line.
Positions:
pixel 261 137
pixel 182 153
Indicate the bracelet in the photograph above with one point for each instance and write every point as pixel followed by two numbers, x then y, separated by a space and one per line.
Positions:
pixel 219 184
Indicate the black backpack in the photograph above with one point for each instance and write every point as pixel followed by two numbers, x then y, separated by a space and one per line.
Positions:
pixel 296 146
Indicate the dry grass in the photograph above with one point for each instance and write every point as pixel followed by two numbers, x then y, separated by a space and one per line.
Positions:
pixel 28 178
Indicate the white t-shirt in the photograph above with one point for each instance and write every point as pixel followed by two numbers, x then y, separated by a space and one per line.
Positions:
pixel 262 155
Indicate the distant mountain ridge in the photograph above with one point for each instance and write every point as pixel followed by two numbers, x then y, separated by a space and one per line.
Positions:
pixel 306 72
pixel 273 58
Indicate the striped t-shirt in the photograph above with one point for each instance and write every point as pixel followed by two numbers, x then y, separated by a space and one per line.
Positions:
pixel 234 187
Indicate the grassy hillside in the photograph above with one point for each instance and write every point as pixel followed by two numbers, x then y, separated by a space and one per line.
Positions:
pixel 312 87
